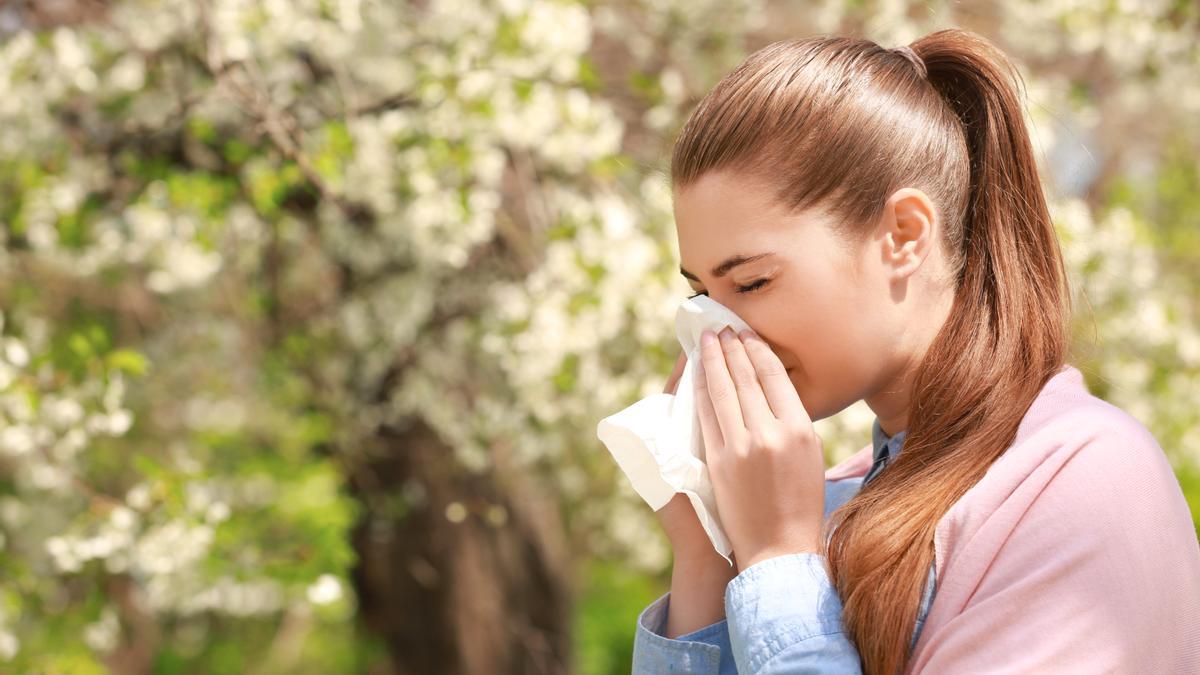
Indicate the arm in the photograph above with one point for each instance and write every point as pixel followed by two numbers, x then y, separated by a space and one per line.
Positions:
pixel 683 631
pixel 699 574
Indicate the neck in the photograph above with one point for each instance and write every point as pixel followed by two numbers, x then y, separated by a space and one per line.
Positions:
pixel 892 399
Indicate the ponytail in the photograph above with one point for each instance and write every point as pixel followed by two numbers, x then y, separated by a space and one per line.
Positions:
pixel 1006 335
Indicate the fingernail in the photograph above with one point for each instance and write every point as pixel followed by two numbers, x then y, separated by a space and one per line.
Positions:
pixel 727 333
pixel 707 338
pixel 746 334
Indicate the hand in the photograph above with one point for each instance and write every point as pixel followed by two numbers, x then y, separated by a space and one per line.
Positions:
pixel 764 458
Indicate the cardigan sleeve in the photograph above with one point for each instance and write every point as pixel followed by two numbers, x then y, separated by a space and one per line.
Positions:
pixel 1096 569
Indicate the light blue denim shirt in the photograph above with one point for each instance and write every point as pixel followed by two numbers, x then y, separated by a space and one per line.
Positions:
pixel 782 615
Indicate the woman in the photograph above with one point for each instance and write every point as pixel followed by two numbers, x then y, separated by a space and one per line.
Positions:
pixel 876 216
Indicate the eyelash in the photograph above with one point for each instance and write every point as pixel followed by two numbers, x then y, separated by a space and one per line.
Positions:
pixel 749 288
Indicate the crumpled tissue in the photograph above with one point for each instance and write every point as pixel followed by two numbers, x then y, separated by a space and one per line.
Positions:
pixel 657 441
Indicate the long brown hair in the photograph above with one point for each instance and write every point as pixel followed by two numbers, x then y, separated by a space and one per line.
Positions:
pixel 840 123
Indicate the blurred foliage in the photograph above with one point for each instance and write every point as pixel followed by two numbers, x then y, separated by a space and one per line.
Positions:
pixel 242 242
pixel 611 598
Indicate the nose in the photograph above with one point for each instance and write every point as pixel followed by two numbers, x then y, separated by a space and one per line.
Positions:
pixel 779 355
pixel 772 345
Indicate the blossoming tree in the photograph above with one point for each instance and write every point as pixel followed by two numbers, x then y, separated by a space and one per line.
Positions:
pixel 308 309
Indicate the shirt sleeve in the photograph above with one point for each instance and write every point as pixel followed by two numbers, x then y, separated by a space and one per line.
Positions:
pixel 784 616
pixel 702 652
pixel 801 580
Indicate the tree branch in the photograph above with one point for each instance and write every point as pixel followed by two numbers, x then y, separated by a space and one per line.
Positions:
pixel 281 128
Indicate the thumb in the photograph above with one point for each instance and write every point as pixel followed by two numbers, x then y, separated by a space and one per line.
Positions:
pixel 676 373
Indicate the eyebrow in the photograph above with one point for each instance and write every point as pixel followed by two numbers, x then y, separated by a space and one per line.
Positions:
pixel 723 269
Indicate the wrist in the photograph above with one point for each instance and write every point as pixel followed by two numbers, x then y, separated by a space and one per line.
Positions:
pixel 768 552
pixel 679 522
pixel 698 586
pixel 700 555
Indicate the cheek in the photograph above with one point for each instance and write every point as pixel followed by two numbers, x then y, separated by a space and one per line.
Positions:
pixel 830 340
pixel 813 325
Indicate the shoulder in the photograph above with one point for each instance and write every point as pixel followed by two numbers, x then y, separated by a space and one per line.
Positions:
pixel 1082 479
pixel 1085 441
pixel 1069 438
pixel 1081 529
pixel 1091 480
pixel 1110 471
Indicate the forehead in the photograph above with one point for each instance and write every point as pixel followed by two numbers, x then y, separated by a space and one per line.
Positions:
pixel 723 214
pixel 717 197
pixel 724 210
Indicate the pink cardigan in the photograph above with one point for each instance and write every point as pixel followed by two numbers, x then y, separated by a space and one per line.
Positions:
pixel 1076 552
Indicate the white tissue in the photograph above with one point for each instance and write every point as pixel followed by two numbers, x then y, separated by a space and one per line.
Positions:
pixel 657 441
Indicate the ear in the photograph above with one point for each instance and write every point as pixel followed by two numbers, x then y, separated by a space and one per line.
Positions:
pixel 910 229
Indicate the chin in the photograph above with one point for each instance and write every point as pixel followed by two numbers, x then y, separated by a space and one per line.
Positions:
pixel 817 406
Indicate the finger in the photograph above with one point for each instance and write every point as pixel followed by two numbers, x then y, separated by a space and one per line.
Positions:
pixel 676 373
pixel 720 389
pixel 755 410
pixel 776 385
pixel 710 429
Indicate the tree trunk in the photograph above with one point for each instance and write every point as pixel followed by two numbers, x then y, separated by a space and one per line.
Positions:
pixel 488 594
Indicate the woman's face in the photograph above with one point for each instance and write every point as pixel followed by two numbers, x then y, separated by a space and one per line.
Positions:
pixel 828 311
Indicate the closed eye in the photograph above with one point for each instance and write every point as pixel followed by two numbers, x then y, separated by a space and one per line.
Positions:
pixel 748 288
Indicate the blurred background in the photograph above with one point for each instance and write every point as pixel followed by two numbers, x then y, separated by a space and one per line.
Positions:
pixel 309 308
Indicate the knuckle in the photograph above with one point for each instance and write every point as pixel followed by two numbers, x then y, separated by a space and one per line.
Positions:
pixel 768 439
pixel 738 445
pixel 712 458
pixel 772 368
pixel 720 392
pixel 791 429
pixel 742 379
pixel 808 439
pixel 798 430
pixel 731 347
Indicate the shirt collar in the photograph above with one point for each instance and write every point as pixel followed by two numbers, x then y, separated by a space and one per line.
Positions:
pixel 884 443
